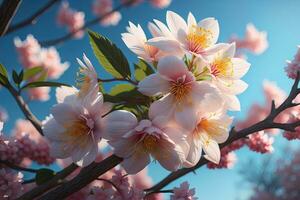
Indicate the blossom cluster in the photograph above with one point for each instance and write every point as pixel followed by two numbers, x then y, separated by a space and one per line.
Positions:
pixel 293 67
pixel 74 20
pixel 195 83
pixel 102 8
pixel 31 54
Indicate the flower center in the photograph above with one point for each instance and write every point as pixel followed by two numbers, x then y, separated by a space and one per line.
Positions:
pixel 198 39
pixel 150 142
pixel 79 127
pixel 222 66
pixel 179 89
pixel 151 50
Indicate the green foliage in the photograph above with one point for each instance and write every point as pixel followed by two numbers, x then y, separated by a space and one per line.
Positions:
pixel 3 70
pixel 18 78
pixel 32 72
pixel 43 175
pixel 109 56
pixel 44 84
pixel 3 75
pixel 142 69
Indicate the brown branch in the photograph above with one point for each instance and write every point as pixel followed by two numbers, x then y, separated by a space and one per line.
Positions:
pixel 267 123
pixel 18 168
pixel 117 79
pixel 8 10
pixel 33 18
pixel 84 27
pixel 25 109
pixel 39 190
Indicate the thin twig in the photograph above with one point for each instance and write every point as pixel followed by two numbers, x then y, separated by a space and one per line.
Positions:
pixel 18 168
pixel 8 10
pixel 32 19
pixel 56 180
pixel 25 109
pixel 28 181
pixel 117 79
pixel 92 22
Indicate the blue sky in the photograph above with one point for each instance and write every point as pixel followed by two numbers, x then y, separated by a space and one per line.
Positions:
pixel 279 18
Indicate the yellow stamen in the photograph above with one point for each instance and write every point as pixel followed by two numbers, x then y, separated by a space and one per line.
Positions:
pixel 198 39
pixel 150 142
pixel 222 66
pixel 180 90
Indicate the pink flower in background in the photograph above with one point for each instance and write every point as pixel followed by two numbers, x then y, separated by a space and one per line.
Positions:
pixel 183 192
pixel 39 93
pixel 103 7
pixel 3 115
pixel 74 20
pixel 160 3
pixel 273 92
pixel 227 160
pixel 260 142
pixel 293 67
pixel 293 117
pixel 32 55
pixel 254 41
pixel 10 184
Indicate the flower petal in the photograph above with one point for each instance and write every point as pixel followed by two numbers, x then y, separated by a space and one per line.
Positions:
pixel 166 44
pixel 212 25
pixel 64 91
pixel 211 148
pixel 153 85
pixel 240 67
pixel 172 68
pixel 162 107
pixel 195 151
pixel 175 23
pixel 89 157
pixel 137 162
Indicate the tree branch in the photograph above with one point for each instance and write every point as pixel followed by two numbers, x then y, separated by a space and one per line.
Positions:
pixel 18 168
pixel 8 10
pixel 84 27
pixel 25 109
pixel 117 79
pixel 33 18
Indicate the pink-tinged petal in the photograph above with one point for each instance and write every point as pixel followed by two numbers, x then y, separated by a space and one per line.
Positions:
pixel 82 148
pixel 172 68
pixel 212 25
pixel 240 67
pixel 166 44
pixel 214 49
pixel 154 30
pixel 232 103
pixel 168 154
pixel 117 123
pixel 164 29
pixel 60 150
pixel 229 51
pixel 210 148
pixel 162 107
pixel 125 147
pixel 54 131
pixel 137 162
pixel 153 84
pixel 175 23
pixel 89 157
pixel 1 127
pixel 186 117
pixel 195 151
pixel 191 21
pixel 106 107
pixel 64 112
pixel 64 91
pixel 231 87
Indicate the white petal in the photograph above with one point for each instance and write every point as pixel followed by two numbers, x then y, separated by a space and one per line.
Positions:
pixel 176 23
pixel 240 67
pixel 162 107
pixel 64 91
pixel 191 21
pixel 229 51
pixel 166 44
pixel 64 112
pixel 137 162
pixel 89 157
pixel 118 123
pixel 211 149
pixel 232 103
pixel 195 151
pixel 153 85
pixel 172 68
pixel 53 131
pixel 186 117
pixel 212 25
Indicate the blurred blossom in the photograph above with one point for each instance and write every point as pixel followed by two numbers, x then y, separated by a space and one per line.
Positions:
pixel 3 115
pixel 103 7
pixel 293 117
pixel 183 192
pixel 260 142
pixel 161 3
pixel 74 20
pixel 10 184
pixel 293 67
pixel 254 41
pixel 39 93
pixel 228 160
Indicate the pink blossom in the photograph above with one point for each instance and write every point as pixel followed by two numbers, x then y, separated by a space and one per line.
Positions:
pixel 39 93
pixel 293 67
pixel 10 184
pixel 293 117
pixel 103 7
pixel 254 40
pixel 228 160
pixel 160 3
pixel 183 192
pixel 3 115
pixel 273 92
pixel 74 20
pixel 260 142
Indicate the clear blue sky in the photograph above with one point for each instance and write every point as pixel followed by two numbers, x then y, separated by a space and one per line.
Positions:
pixel 279 18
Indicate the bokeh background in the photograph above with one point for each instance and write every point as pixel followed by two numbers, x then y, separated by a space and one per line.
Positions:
pixel 279 18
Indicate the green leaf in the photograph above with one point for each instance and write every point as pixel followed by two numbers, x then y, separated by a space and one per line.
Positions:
pixel 3 70
pixel 32 72
pixel 44 84
pixel 3 80
pixel 44 175
pixel 121 88
pixel 15 76
pixel 109 56
pixel 43 76
pixel 142 70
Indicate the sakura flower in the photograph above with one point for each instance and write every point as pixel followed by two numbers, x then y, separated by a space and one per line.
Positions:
pixel 212 129
pixel 137 141
pixel 182 94
pixel 104 7
pixel 196 38
pixel 183 192
pixel 112 19
pixel 293 67
pixel 160 3
pixel 3 114
pixel 39 93
pixel 10 184
pixel 75 128
pixel 226 72
pixel 136 41
pixel 260 142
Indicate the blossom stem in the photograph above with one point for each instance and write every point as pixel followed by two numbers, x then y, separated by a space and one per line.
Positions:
pixel 117 79
pixel 8 10
pixel 33 18
pixel 92 22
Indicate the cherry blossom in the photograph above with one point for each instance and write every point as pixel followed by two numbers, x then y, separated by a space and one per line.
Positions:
pixel 183 192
